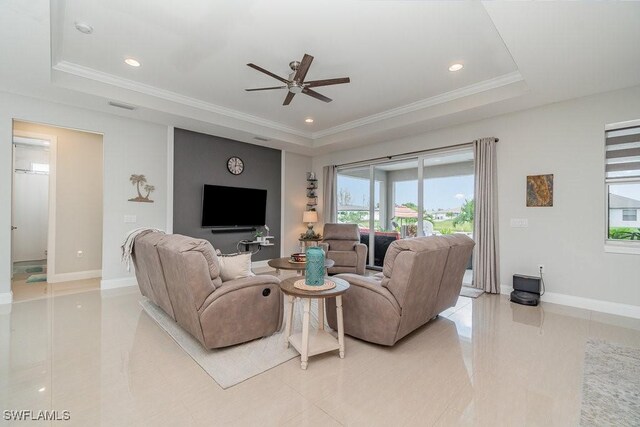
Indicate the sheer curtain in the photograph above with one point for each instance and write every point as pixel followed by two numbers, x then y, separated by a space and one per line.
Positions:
pixel 486 262
pixel 330 201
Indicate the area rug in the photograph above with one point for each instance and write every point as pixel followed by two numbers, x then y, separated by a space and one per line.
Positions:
pixel 468 291
pixel 611 385
pixel 232 365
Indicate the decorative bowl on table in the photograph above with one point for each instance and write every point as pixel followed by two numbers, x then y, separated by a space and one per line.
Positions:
pixel 299 257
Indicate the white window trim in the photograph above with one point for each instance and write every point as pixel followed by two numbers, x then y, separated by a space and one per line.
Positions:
pixel 622 247
pixel 629 247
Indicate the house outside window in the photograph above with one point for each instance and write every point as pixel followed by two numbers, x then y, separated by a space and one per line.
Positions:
pixel 629 214
pixel 622 181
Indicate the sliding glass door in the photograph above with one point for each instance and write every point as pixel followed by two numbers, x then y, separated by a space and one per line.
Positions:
pixel 430 194
pixel 448 186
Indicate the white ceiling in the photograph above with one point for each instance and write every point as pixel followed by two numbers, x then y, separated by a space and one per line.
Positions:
pixel 516 55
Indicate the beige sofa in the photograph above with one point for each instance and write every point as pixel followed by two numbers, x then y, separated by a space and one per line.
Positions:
pixel 421 278
pixel 341 244
pixel 182 276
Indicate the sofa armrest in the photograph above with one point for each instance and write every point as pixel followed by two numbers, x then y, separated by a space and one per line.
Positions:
pixel 361 251
pixel 373 285
pixel 235 284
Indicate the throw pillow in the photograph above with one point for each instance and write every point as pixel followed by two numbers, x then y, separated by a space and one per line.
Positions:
pixel 234 266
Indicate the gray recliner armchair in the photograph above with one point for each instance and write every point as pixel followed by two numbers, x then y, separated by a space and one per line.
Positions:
pixel 341 244
pixel 421 278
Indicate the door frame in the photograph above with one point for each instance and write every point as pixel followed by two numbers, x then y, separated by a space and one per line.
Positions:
pixel 51 226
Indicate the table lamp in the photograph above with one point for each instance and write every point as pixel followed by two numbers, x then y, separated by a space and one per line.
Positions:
pixel 310 217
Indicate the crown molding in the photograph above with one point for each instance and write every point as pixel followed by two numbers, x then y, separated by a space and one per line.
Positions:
pixel 110 79
pixel 483 86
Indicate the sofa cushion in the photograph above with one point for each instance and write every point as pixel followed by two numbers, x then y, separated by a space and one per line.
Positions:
pixel 344 258
pixel 418 244
pixel 207 250
pixel 235 266
pixel 341 245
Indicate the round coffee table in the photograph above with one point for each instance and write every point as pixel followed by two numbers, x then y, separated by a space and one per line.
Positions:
pixel 286 264
pixel 320 341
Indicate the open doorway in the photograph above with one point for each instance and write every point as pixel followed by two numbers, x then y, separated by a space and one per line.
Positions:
pixel 56 211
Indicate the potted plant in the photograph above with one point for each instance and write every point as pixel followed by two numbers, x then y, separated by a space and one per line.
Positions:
pixel 259 236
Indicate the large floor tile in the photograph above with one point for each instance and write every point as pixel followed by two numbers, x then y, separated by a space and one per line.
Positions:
pixel 485 361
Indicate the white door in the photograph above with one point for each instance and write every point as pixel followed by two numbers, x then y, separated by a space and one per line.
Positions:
pixel 30 210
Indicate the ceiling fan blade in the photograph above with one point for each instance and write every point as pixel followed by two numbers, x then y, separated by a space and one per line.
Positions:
pixel 288 99
pixel 327 82
pixel 316 95
pixel 269 73
pixel 266 88
pixel 303 68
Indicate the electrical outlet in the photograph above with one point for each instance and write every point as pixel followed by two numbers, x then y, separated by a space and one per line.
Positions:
pixel 79 254
pixel 540 268
pixel 519 222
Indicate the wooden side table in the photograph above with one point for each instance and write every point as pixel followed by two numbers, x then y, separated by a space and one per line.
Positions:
pixel 309 343
pixel 286 264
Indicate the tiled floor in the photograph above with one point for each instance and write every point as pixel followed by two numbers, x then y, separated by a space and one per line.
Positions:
pixel 484 362
pixel 23 291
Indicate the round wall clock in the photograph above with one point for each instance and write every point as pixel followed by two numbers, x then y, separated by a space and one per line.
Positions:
pixel 235 165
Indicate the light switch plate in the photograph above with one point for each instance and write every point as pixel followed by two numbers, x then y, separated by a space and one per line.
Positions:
pixel 130 219
pixel 519 222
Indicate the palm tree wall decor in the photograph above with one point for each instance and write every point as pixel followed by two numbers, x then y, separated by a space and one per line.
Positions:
pixel 137 181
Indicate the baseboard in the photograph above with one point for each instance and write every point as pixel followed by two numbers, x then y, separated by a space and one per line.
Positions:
pixel 609 307
pixel 6 298
pixel 122 282
pixel 69 277
pixel 260 264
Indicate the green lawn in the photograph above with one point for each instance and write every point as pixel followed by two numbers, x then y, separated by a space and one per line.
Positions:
pixel 446 227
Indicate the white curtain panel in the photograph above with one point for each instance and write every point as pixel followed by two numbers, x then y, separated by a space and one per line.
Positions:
pixel 330 200
pixel 486 264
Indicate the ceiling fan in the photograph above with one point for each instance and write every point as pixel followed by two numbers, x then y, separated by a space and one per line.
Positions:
pixel 296 84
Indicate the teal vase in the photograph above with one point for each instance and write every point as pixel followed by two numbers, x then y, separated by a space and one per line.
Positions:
pixel 314 270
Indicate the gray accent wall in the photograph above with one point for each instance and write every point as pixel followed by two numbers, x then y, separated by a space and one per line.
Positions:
pixel 202 159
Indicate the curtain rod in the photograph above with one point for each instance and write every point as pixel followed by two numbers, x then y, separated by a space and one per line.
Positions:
pixel 466 144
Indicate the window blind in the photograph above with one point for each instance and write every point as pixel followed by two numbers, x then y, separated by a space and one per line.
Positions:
pixel 623 153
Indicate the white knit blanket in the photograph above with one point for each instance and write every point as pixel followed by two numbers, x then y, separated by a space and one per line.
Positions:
pixel 127 245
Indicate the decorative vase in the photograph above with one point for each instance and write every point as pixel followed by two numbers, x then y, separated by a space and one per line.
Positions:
pixel 314 270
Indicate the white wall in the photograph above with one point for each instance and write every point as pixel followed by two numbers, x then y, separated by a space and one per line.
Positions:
pixel 566 139
pixel 130 146
pixel 294 200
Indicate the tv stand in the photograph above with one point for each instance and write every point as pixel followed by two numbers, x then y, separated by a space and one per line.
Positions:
pixel 232 229
pixel 254 246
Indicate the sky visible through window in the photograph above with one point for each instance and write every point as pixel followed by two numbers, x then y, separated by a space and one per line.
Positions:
pixel 631 191
pixel 440 193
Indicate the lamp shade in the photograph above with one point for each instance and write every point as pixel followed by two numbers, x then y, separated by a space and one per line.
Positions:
pixel 310 216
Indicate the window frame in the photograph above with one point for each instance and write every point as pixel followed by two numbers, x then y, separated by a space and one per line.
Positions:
pixel 616 245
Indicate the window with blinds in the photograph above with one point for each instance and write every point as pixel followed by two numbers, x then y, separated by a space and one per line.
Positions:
pixel 622 176
pixel 623 153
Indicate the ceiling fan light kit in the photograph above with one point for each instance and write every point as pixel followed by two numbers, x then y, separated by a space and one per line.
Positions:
pixel 296 84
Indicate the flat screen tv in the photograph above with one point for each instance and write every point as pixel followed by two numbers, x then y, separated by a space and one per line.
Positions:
pixel 233 206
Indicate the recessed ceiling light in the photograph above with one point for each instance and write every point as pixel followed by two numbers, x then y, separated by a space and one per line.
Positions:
pixel 132 62
pixel 308 120
pixel 84 28
pixel 42 389
pixel 456 67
